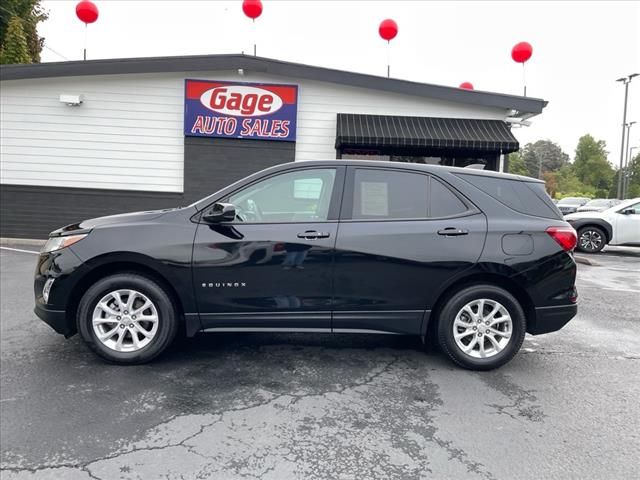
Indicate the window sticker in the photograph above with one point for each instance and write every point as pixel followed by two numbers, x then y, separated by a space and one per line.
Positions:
pixel 374 199
pixel 307 188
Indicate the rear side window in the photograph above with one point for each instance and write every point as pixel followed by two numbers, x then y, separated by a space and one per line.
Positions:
pixel 524 197
pixel 443 202
pixel 389 194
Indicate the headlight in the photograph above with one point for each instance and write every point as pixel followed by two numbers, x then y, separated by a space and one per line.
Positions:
pixel 56 243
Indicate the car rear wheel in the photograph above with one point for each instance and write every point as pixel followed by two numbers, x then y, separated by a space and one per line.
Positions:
pixel 591 239
pixel 127 318
pixel 481 327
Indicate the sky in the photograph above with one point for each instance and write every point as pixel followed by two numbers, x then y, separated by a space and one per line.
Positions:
pixel 580 48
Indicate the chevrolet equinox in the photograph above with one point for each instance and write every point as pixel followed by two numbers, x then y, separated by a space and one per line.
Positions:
pixel 471 258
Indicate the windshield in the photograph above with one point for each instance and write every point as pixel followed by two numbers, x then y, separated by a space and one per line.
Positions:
pixel 598 203
pixel 572 200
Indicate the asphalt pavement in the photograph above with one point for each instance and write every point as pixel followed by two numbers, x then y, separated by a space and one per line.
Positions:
pixel 311 406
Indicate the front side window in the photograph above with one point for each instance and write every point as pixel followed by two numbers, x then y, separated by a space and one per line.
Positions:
pixel 300 196
pixel 635 207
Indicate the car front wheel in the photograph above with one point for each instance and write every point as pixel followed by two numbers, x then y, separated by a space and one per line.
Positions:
pixel 481 327
pixel 127 318
pixel 591 239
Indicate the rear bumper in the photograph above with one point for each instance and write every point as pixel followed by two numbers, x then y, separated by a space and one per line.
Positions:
pixel 56 319
pixel 551 319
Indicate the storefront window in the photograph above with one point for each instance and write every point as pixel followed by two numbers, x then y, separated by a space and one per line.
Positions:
pixel 450 158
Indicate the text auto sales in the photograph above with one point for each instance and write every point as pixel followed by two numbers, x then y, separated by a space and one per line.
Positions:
pixel 249 127
pixel 241 101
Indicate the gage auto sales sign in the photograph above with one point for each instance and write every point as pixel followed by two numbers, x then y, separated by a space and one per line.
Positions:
pixel 259 111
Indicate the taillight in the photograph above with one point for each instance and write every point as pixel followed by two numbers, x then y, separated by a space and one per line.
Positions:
pixel 574 295
pixel 566 237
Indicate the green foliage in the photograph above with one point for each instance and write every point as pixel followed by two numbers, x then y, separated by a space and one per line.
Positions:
pixel 591 165
pixel 590 174
pixel 15 50
pixel 634 179
pixel 516 164
pixel 543 156
pixel 569 185
pixel 30 13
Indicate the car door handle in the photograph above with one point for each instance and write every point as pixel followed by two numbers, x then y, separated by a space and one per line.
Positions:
pixel 453 232
pixel 312 235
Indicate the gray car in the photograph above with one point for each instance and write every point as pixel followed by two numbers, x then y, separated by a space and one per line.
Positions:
pixel 571 204
pixel 598 205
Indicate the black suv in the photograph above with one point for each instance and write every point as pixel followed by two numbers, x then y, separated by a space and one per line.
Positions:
pixel 471 257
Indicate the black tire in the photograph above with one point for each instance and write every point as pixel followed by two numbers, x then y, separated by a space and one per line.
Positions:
pixel 591 239
pixel 456 303
pixel 167 317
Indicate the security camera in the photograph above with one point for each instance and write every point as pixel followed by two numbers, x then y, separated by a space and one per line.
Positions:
pixel 518 122
pixel 72 100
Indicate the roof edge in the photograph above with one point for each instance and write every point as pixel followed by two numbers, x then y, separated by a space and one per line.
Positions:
pixel 192 63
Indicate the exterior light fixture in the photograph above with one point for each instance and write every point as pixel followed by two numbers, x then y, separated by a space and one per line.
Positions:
pixel 72 100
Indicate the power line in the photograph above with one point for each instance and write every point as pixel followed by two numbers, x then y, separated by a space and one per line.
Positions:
pixel 57 53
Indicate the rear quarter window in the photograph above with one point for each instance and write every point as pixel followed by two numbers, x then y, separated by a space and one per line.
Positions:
pixel 529 198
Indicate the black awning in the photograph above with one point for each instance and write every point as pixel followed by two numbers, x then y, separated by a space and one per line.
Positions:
pixel 424 132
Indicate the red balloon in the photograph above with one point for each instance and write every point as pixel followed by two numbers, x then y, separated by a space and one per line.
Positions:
pixel 521 52
pixel 466 86
pixel 252 8
pixel 388 29
pixel 87 11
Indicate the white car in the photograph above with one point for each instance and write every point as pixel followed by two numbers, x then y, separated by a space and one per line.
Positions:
pixel 598 205
pixel 618 225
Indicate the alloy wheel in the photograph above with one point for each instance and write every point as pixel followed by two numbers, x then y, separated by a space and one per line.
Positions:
pixel 125 320
pixel 482 328
pixel 590 240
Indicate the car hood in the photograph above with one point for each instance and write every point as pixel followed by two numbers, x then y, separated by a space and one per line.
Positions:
pixel 123 218
pixel 577 215
pixel 592 209
pixel 572 205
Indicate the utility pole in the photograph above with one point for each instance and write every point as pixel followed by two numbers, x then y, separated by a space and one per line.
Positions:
pixel 626 161
pixel 626 81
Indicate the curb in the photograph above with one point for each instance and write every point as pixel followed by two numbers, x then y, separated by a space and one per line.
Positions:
pixel 22 241
pixel 585 261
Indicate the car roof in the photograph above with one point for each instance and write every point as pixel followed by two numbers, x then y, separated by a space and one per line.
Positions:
pixel 422 167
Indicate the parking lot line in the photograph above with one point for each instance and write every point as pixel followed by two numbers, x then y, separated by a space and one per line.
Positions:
pixel 18 250
pixel 614 289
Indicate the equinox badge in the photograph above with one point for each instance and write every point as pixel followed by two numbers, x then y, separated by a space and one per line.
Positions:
pixel 224 285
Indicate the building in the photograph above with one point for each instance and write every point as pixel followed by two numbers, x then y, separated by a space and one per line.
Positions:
pixel 91 138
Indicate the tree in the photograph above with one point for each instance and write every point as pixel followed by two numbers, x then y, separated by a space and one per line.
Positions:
pixel 569 185
pixel 551 183
pixel 543 156
pixel 15 50
pixel 634 177
pixel 591 165
pixel 30 13
pixel 516 164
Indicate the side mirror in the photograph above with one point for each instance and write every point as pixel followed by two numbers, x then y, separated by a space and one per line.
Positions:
pixel 628 211
pixel 220 212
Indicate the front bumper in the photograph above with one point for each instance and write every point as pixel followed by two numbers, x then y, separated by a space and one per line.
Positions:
pixel 65 267
pixel 56 319
pixel 551 319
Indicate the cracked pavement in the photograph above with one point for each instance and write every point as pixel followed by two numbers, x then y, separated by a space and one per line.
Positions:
pixel 312 406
